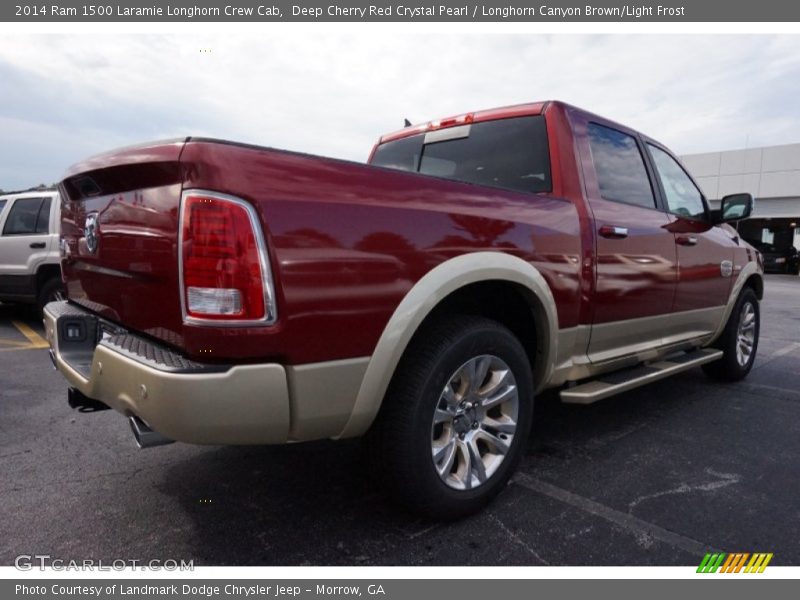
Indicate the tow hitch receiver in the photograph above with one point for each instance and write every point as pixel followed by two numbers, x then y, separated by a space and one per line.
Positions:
pixel 83 403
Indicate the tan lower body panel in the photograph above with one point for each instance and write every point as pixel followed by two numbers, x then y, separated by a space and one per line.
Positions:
pixel 589 351
pixel 247 404
pixel 611 340
pixel 322 397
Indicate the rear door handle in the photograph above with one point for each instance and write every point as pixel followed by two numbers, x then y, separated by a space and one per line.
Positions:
pixel 686 240
pixel 614 233
pixel 37 244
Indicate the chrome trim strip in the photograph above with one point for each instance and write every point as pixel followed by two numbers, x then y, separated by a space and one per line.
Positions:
pixel 84 266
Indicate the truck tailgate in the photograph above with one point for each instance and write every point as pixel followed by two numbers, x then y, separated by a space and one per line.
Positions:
pixel 120 234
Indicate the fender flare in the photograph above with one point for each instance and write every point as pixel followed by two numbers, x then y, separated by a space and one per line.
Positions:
pixel 748 271
pixel 418 303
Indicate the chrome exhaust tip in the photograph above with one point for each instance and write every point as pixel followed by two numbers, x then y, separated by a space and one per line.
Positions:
pixel 146 437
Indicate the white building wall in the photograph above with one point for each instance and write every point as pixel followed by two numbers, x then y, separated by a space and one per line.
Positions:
pixel 770 174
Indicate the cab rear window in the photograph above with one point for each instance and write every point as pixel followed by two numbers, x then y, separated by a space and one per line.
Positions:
pixel 506 153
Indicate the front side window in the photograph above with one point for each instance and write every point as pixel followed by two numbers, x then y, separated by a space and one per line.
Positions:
pixel 683 197
pixel 23 217
pixel 619 165
pixel 506 153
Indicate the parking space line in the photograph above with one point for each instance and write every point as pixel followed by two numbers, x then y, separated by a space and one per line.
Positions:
pixel 14 343
pixel 34 339
pixel 778 353
pixel 762 390
pixel 785 350
pixel 624 520
pixel 18 348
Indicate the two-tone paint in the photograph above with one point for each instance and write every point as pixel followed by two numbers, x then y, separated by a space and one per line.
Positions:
pixel 361 254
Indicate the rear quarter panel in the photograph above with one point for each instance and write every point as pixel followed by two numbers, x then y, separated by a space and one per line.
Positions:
pixel 348 241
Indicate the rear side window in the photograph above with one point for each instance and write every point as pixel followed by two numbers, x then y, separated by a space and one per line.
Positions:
pixel 43 219
pixel 28 216
pixel 506 153
pixel 619 165
pixel 2 206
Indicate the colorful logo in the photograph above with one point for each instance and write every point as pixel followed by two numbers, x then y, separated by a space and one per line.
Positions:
pixel 735 562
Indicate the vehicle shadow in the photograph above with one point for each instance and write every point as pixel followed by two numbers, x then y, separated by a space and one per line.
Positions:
pixel 309 503
pixel 25 313
pixel 314 504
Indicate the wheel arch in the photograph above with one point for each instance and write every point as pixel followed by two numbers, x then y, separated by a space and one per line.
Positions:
pixel 451 286
pixel 756 282
pixel 45 272
pixel 750 276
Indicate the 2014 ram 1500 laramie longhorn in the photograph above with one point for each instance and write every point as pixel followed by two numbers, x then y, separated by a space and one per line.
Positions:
pixel 220 293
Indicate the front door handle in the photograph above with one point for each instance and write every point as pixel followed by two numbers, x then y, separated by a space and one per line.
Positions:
pixel 37 244
pixel 686 240
pixel 613 233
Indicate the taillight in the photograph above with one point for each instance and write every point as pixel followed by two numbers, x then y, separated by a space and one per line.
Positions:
pixel 224 268
pixel 450 121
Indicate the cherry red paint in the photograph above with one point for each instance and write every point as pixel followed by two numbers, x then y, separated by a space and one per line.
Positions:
pixel 347 241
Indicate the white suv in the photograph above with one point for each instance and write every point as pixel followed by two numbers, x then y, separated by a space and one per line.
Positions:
pixel 30 270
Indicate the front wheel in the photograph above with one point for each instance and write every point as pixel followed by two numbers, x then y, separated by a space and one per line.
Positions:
pixel 455 419
pixel 739 340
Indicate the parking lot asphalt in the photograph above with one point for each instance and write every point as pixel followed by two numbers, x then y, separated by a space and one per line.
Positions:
pixel 656 476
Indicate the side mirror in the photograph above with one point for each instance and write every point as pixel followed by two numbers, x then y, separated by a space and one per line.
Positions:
pixel 735 208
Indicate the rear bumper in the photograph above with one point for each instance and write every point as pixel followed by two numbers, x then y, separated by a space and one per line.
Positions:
pixel 180 399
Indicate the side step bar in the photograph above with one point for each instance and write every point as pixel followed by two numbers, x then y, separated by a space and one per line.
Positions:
pixel 628 379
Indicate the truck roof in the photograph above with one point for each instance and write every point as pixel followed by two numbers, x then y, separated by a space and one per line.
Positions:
pixel 503 112
pixel 49 192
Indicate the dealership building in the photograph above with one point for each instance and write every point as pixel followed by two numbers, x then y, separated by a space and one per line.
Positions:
pixel 771 174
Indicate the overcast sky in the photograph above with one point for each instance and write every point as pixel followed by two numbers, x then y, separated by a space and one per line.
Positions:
pixel 64 98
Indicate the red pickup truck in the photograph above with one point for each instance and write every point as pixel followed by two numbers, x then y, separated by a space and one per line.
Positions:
pixel 220 293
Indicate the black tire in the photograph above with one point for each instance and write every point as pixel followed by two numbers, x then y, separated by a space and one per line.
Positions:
pixel 730 367
pixel 399 445
pixel 53 289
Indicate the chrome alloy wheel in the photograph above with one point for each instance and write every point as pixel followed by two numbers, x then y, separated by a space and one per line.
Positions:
pixel 474 422
pixel 746 334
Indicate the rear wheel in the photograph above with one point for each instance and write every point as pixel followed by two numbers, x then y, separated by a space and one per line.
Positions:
pixel 51 291
pixel 739 340
pixel 455 419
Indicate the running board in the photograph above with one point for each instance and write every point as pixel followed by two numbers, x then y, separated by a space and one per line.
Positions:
pixel 628 379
